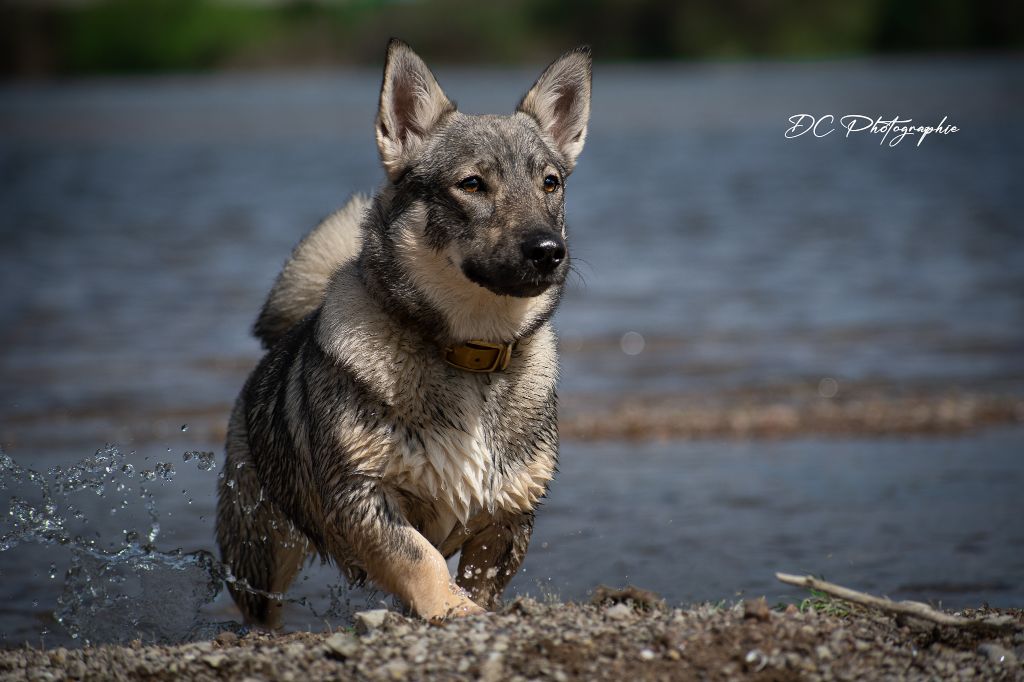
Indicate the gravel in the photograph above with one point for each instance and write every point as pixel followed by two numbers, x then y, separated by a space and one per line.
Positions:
pixel 529 640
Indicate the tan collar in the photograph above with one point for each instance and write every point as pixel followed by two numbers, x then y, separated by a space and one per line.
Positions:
pixel 479 356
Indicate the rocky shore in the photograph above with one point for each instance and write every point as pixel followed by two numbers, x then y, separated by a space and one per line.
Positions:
pixel 615 640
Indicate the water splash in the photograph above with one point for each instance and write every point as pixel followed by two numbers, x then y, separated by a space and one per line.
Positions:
pixel 111 594
pixel 137 593
pixel 120 586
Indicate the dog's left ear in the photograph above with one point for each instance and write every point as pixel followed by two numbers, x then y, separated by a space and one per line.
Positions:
pixel 560 102
pixel 411 104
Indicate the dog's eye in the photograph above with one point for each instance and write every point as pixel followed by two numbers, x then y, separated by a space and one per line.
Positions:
pixel 472 184
pixel 551 183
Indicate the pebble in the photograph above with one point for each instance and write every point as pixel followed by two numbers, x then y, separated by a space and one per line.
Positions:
pixel 226 638
pixel 619 612
pixel 213 660
pixel 395 670
pixel 493 669
pixel 998 654
pixel 756 609
pixel 368 621
pixel 342 645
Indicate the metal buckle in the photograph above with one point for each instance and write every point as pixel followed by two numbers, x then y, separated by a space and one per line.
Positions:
pixel 478 352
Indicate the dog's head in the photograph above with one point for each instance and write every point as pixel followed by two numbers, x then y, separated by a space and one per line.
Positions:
pixel 477 202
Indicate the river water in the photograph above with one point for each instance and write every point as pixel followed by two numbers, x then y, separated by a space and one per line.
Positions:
pixel 143 220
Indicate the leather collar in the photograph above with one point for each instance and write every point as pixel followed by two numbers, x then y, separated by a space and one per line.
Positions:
pixel 479 356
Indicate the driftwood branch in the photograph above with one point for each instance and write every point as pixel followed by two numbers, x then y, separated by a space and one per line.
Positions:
pixel 906 608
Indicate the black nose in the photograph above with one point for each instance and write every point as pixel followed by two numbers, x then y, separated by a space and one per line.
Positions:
pixel 545 251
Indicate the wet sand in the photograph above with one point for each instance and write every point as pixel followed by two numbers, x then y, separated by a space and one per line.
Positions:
pixel 788 411
pixel 531 640
pixel 755 415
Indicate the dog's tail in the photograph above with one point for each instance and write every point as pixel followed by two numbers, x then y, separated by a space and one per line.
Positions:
pixel 300 287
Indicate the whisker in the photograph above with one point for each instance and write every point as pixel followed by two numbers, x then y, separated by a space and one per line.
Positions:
pixel 573 270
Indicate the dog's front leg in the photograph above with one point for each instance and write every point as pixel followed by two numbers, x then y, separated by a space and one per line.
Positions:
pixel 394 554
pixel 492 556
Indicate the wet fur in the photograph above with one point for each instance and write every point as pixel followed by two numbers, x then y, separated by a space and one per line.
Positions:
pixel 353 438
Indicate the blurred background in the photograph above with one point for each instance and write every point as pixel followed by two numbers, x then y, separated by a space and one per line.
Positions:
pixel 60 37
pixel 48 37
pixel 779 354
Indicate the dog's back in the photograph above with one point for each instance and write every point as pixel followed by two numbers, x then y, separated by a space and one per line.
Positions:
pixel 299 288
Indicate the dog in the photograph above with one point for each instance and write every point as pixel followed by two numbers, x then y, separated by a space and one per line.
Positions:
pixel 405 409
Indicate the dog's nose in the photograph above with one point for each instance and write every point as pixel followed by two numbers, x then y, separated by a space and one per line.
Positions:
pixel 545 251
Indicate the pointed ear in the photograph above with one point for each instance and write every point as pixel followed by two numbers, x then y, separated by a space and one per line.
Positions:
pixel 560 102
pixel 411 104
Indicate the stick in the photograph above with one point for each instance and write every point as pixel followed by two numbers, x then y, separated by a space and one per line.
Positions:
pixel 907 608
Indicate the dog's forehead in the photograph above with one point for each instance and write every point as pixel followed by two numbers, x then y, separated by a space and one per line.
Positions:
pixel 493 139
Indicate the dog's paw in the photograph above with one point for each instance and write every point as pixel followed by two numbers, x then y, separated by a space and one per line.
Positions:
pixel 466 607
pixel 459 606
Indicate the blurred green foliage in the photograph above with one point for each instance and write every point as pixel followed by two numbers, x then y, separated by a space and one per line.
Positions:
pixel 110 36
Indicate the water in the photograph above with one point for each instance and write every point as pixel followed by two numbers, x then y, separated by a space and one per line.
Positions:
pixel 145 219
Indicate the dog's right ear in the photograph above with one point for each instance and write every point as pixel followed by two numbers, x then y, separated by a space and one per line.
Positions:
pixel 411 104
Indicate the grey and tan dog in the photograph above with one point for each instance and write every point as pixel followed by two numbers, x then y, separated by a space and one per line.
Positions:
pixel 405 409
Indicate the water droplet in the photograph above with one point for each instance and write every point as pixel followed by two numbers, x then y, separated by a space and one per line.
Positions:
pixel 53 571
pixel 828 387
pixel 147 474
pixel 632 343
pixel 206 460
pixel 184 427
pixel 165 470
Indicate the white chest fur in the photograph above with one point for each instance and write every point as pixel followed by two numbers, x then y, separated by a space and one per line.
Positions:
pixel 453 467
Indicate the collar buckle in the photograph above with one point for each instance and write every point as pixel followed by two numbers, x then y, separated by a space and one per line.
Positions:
pixel 479 356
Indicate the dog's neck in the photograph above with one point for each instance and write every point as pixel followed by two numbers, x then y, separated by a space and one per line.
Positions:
pixel 356 329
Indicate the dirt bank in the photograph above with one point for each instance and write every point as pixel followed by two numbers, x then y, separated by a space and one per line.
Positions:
pixel 529 640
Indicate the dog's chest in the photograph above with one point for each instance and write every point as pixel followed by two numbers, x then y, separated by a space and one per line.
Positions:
pixel 441 454
pixel 444 453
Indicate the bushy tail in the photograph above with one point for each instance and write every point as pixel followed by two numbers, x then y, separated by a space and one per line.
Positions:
pixel 300 287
